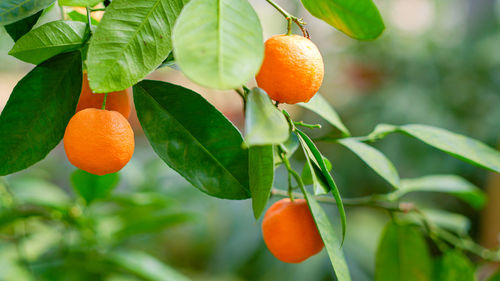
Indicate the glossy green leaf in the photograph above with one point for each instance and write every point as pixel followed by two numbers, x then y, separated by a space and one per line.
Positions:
pixel 454 266
pixel 145 266
pixel 218 43
pixel 38 110
pixel 193 138
pixel 307 143
pixel 261 176
pixel 402 254
pixel 320 106
pixel 49 40
pixel 35 191
pixel 311 174
pixel 17 29
pixel 450 184
pixel 15 10
pixel 264 123
pixel 76 16
pixel 358 19
pixel 79 3
pixel 91 187
pixel 459 146
pixel 132 40
pixel 374 159
pixel 330 238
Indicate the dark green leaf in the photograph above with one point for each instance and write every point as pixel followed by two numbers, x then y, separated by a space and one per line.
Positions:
pixel 132 40
pixel 358 19
pixel 193 138
pixel 218 43
pixel 17 29
pixel 145 266
pixel 330 238
pixel 320 106
pixel 459 146
pixel 308 144
pixel 454 266
pixel 39 108
pixel 76 16
pixel 15 10
pixel 39 192
pixel 264 123
pixel 374 159
pixel 495 277
pixel 450 184
pixel 91 187
pixel 79 3
pixel 169 61
pixel 49 40
pixel 261 176
pixel 402 255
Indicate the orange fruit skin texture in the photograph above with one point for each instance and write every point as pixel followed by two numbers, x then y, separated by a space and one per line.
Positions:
pixel 117 101
pixel 290 232
pixel 99 141
pixel 292 70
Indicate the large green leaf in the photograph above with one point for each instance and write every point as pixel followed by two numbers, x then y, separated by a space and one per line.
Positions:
pixel 402 255
pixel 454 266
pixel 145 266
pixel 14 10
pixel 218 43
pixel 17 29
pixel 330 238
pixel 374 159
pixel 49 40
pixel 39 108
pixel 308 145
pixel 459 146
pixel 320 106
pixel 358 19
pixel 264 123
pixel 450 184
pixel 132 40
pixel 91 187
pixel 193 138
pixel 79 3
pixel 261 176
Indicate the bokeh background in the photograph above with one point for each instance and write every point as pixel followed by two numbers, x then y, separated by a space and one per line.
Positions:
pixel 437 63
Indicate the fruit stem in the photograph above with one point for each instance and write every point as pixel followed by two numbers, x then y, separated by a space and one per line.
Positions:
pixel 290 18
pixel 104 101
pixel 296 176
pixel 311 126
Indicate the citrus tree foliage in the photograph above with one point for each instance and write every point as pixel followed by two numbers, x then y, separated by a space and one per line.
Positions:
pixel 217 44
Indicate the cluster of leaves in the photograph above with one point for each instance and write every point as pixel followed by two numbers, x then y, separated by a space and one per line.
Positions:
pixel 217 44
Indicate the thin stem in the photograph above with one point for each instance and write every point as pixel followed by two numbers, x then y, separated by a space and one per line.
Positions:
pixel 104 101
pixel 63 15
pixel 281 10
pixel 290 18
pixel 98 10
pixel 311 126
pixel 89 20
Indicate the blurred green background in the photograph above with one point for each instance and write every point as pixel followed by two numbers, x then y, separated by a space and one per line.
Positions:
pixel 437 63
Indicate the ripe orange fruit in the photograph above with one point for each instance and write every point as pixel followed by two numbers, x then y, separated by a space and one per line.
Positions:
pixel 117 101
pixel 292 70
pixel 99 141
pixel 290 232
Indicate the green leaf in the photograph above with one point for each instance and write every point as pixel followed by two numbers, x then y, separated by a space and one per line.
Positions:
pixel 79 3
pixel 151 224
pixel 76 16
pixel 261 176
pixel 308 144
pixel 450 184
pixel 91 187
pixel 35 191
pixel 454 266
pixel 374 159
pixel 38 110
pixel 459 146
pixel 49 40
pixel 358 19
pixel 218 43
pixel 289 147
pixel 330 238
pixel 311 174
pixel 132 40
pixel 264 123
pixel 15 10
pixel 495 277
pixel 17 29
pixel 402 255
pixel 145 266
pixel 451 221
pixel 320 106
pixel 193 138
